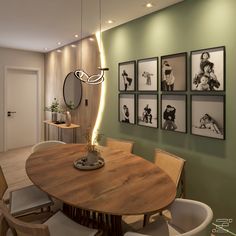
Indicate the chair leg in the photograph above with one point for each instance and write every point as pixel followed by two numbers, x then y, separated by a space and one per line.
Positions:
pixel 146 219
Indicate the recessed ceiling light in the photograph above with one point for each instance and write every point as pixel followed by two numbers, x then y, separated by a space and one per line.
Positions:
pixel 149 5
pixel 58 50
pixel 73 45
pixel 110 21
pixel 45 49
pixel 76 35
pixel 59 43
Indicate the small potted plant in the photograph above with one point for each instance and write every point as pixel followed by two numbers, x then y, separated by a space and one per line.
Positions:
pixel 54 108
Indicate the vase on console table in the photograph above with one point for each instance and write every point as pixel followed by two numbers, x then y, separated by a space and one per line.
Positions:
pixel 68 118
pixel 54 117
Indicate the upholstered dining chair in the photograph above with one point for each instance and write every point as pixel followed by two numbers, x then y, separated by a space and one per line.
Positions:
pixel 173 166
pixel 57 225
pixel 45 144
pixel 124 145
pixel 188 218
pixel 24 200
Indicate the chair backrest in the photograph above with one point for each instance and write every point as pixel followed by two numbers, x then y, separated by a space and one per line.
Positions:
pixel 171 164
pixel 123 145
pixel 3 184
pixel 46 144
pixel 20 228
pixel 191 216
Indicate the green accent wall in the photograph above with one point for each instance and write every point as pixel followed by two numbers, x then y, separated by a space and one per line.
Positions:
pixel 190 25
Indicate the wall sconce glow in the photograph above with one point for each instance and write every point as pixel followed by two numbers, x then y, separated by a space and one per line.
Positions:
pixel 91 39
pixel 76 35
pixel 103 90
pixel 58 50
pixel 59 43
pixel 73 45
pixel 149 5
pixel 110 21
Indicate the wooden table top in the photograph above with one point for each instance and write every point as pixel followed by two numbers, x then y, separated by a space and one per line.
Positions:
pixel 62 126
pixel 126 185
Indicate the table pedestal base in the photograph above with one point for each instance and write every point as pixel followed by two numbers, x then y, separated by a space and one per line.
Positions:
pixel 109 224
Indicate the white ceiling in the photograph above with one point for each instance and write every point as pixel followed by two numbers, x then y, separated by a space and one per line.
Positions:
pixel 38 24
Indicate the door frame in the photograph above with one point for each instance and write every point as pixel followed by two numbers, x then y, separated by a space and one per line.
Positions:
pixel 38 99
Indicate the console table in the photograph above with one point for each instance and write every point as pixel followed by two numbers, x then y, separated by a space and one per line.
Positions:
pixel 60 127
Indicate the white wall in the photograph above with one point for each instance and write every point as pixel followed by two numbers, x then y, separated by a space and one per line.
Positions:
pixel 18 58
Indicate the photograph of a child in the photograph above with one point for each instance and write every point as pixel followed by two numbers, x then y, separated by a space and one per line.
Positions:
pixel 127 76
pixel 147 110
pixel 147 74
pixel 127 108
pixel 173 72
pixel 174 112
pixel 208 69
pixel 208 116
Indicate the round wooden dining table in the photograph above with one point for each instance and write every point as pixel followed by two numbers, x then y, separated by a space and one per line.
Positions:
pixel 126 185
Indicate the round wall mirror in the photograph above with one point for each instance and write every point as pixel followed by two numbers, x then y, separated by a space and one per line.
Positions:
pixel 72 91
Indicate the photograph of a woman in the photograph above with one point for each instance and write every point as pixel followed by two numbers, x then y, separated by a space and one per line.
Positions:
pixel 126 76
pixel 127 108
pixel 173 72
pixel 173 110
pixel 208 116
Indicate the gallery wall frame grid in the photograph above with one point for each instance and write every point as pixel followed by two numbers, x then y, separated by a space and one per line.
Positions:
pixel 174 72
pixel 144 113
pixel 220 121
pixel 148 74
pixel 216 62
pixel 127 76
pixel 184 121
pixel 124 99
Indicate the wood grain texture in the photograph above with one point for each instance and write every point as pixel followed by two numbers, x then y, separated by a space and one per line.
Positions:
pixel 126 185
pixel 57 65
pixel 61 126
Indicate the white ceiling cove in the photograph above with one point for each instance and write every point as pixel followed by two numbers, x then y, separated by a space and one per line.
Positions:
pixel 38 24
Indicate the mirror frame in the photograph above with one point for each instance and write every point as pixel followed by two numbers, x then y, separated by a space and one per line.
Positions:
pixel 81 90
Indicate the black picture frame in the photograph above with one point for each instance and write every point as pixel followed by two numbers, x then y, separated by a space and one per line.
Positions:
pixel 208 75
pixel 127 76
pixel 147 74
pixel 130 103
pixel 176 123
pixel 174 72
pixel 201 125
pixel 149 115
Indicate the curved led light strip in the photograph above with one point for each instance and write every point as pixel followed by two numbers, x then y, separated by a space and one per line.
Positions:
pixel 103 91
pixel 93 79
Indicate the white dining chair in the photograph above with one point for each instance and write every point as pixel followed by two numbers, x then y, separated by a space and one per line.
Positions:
pixel 188 218
pixel 24 200
pixel 45 144
pixel 57 225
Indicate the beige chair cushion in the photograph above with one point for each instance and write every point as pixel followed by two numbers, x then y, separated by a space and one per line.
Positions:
pixel 160 228
pixel 26 199
pixel 61 225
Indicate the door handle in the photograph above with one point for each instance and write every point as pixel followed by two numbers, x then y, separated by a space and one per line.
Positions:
pixel 10 112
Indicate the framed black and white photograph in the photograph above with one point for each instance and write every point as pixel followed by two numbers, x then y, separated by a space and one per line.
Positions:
pixel 174 112
pixel 148 110
pixel 127 108
pixel 148 74
pixel 208 116
pixel 174 72
pixel 208 69
pixel 127 76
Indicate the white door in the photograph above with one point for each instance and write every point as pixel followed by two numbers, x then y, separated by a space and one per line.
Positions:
pixel 21 108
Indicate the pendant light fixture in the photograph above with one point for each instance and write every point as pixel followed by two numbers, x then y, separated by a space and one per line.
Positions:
pixel 80 73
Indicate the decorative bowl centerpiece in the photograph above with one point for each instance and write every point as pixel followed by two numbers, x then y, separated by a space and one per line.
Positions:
pixel 92 160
